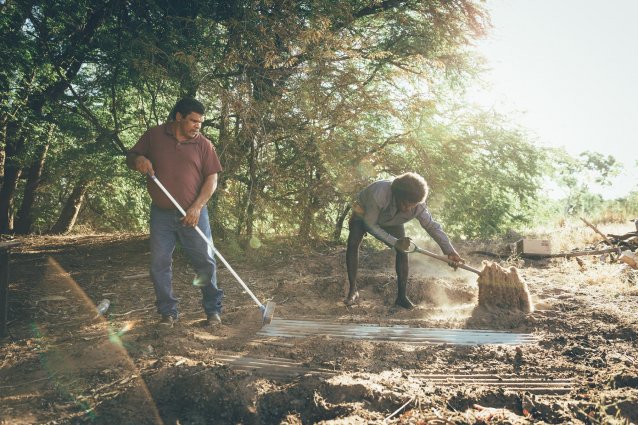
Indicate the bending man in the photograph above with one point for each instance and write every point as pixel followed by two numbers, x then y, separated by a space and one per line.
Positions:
pixel 382 209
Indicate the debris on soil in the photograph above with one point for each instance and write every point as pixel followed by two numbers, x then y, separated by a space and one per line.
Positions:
pixel 502 289
pixel 61 365
pixel 629 258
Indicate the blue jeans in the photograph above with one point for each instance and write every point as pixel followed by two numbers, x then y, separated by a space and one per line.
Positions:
pixel 166 229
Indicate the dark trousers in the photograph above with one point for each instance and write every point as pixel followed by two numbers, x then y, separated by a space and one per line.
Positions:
pixel 358 230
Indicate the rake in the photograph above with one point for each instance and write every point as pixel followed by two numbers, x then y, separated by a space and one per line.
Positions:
pixel 268 310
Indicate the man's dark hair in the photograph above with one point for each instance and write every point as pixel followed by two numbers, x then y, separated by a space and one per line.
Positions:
pixel 185 106
pixel 410 187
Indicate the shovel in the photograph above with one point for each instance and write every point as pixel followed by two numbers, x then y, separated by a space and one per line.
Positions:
pixel 267 310
pixel 413 248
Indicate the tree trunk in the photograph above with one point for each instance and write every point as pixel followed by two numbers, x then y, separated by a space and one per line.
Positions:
pixel 250 220
pixel 12 172
pixel 222 142
pixel 71 209
pixel 339 224
pixel 3 138
pixel 308 208
pixel 24 218
pixel 306 221
pixel 252 169
pixel 241 215
pixel 246 217
pixel 70 65
pixel 247 139
pixel 9 185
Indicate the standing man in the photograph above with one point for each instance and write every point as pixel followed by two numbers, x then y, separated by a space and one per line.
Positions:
pixel 187 165
pixel 381 209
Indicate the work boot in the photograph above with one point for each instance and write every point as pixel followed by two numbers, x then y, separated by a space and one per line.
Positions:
pixel 352 298
pixel 402 296
pixel 168 321
pixel 404 302
pixel 213 319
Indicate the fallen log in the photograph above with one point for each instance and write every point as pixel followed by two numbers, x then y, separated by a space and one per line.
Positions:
pixel 623 237
pixel 595 229
pixel 574 253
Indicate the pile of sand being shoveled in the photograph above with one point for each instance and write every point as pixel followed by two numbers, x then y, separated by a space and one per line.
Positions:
pixel 503 289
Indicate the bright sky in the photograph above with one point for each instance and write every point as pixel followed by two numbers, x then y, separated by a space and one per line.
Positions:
pixel 571 68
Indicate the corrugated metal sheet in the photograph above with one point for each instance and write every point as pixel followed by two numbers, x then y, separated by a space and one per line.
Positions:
pixel 398 333
pixel 280 368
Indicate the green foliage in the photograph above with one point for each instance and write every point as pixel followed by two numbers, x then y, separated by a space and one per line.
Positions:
pixel 576 176
pixel 307 103
pixel 483 172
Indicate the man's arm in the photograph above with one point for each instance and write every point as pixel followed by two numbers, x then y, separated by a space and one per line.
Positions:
pixel 372 199
pixel 435 230
pixel 140 163
pixel 376 230
pixel 192 213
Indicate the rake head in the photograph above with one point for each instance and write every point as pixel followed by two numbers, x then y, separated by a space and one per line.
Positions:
pixel 268 312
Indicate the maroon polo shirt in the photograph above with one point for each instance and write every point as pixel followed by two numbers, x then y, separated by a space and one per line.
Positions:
pixel 181 167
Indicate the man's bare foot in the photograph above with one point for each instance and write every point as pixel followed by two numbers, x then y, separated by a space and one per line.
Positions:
pixel 351 299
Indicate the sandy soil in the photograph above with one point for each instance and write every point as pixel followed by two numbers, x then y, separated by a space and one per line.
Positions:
pixel 62 364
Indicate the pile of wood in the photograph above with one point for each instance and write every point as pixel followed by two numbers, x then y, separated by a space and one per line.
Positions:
pixel 627 245
pixel 626 242
pixel 502 289
pixel 611 244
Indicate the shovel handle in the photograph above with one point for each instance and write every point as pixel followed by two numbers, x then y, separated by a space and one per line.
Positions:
pixel 414 248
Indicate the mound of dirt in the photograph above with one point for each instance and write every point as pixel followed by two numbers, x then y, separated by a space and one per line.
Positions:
pixel 503 289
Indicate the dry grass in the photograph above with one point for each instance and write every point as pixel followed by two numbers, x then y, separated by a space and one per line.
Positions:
pixel 576 235
pixel 600 272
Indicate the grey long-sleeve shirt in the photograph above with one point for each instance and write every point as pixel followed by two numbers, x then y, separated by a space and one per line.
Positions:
pixel 381 210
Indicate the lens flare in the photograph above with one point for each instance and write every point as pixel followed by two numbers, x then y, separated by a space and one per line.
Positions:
pixel 70 338
pixel 254 243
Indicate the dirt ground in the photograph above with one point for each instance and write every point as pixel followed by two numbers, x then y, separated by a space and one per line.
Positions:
pixel 61 364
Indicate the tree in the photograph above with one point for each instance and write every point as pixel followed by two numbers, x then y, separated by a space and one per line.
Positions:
pixel 577 175
pixel 41 75
pixel 307 102
pixel 311 84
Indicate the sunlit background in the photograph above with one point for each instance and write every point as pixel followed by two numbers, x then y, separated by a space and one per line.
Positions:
pixel 566 70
